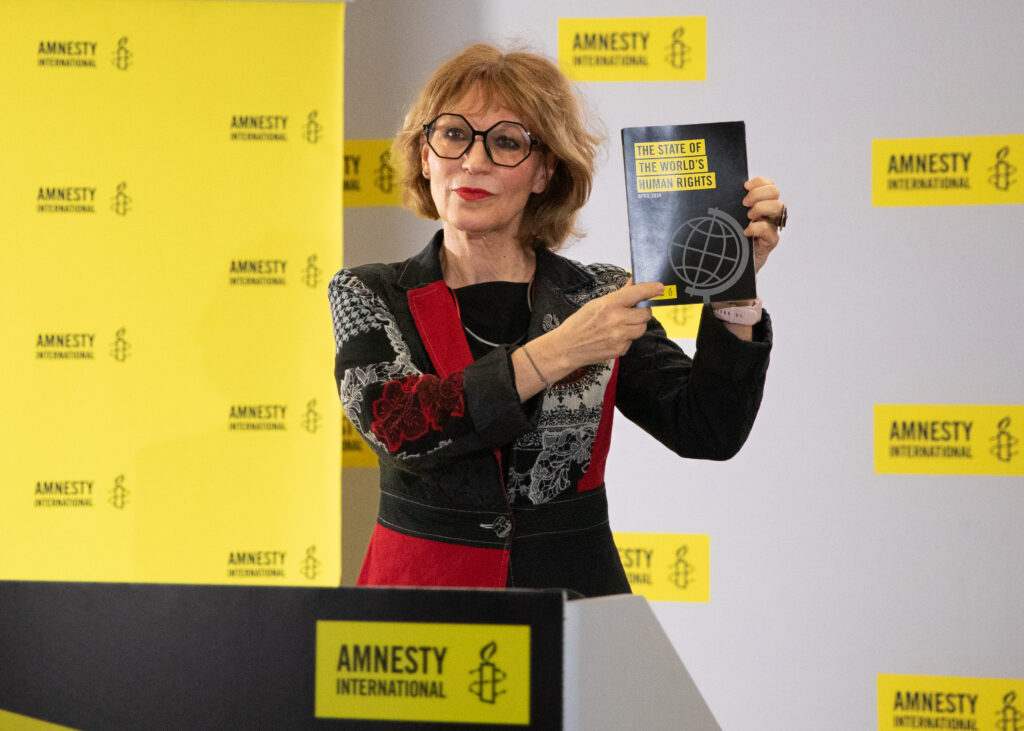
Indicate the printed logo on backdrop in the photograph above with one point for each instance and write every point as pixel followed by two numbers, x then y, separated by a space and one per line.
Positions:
pixel 64 493
pixel 121 202
pixel 66 199
pixel 370 177
pixel 258 272
pixel 311 274
pixel 1004 443
pixel 682 570
pixel 946 171
pixel 406 671
pixel 1003 173
pixel 118 495
pixel 257 417
pixel 666 567
pixel 66 346
pixel 680 321
pixel 311 132
pixel 67 54
pixel 920 701
pixel 310 567
pixel 633 49
pixel 259 128
pixel 256 564
pixel 78 493
pixel 120 348
pixel 930 439
pixel 121 58
pixel 311 418
pixel 678 51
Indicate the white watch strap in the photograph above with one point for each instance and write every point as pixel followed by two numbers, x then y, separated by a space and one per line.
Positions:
pixel 744 315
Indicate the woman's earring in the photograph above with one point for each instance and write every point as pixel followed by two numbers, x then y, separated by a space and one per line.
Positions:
pixel 426 173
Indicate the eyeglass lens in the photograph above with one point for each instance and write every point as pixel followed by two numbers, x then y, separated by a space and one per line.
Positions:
pixel 506 143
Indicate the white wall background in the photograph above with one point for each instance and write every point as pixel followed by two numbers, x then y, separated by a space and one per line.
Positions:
pixel 824 574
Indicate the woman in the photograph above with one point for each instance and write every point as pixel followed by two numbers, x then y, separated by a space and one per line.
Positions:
pixel 485 370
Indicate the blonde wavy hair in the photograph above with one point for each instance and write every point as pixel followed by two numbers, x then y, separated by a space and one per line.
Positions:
pixel 541 96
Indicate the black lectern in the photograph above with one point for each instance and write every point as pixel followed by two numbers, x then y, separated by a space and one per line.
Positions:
pixel 155 656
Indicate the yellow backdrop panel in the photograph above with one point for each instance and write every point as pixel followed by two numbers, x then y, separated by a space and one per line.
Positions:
pixel 172 214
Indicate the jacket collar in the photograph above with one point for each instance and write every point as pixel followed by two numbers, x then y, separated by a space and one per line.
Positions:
pixel 552 270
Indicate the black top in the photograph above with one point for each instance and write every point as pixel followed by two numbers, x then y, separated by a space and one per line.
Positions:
pixel 498 312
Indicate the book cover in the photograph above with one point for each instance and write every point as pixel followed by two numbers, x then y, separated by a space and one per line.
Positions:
pixel 684 193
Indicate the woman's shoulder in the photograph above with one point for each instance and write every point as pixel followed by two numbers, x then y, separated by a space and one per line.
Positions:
pixel 593 280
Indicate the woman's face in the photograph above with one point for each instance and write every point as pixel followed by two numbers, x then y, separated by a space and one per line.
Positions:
pixel 474 196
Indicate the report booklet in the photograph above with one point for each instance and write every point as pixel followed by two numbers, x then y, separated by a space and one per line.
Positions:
pixel 684 193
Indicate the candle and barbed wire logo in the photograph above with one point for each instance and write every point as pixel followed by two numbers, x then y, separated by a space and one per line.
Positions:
pixel 118 495
pixel 120 348
pixel 121 202
pixel 678 51
pixel 488 676
pixel 310 564
pixel 682 570
pixel 1003 172
pixel 1004 443
pixel 311 274
pixel 384 174
pixel 122 57
pixel 1009 717
pixel 311 132
pixel 311 418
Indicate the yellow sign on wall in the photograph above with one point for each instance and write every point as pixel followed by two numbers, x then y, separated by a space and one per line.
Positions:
pixel 172 218
pixel 680 321
pixel 924 701
pixel 947 171
pixel 406 671
pixel 665 567
pixel 949 440
pixel 633 49
pixel 371 174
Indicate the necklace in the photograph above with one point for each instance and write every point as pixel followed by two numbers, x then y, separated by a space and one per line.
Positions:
pixel 517 341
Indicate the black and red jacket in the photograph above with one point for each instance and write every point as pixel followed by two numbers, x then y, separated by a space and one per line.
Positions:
pixel 453 510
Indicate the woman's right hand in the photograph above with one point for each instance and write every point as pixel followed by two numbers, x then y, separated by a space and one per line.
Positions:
pixel 601 330
pixel 605 327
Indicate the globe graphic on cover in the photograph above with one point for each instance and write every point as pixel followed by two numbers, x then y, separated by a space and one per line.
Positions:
pixel 709 253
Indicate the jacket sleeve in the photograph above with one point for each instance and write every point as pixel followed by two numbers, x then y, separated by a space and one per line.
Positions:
pixel 702 407
pixel 409 416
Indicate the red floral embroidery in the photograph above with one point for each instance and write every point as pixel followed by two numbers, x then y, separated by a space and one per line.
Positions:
pixel 408 408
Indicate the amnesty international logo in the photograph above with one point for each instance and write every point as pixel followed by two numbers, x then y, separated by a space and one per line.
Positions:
pixel 310 564
pixel 678 52
pixel 311 418
pixel 67 54
pixel 120 348
pixel 122 57
pixel 311 133
pixel 1010 717
pixel 384 173
pixel 488 676
pixel 1002 171
pixel 682 570
pixel 1004 444
pixel 118 495
pixel 121 202
pixel 311 274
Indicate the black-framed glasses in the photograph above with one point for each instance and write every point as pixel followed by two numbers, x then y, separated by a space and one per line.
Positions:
pixel 507 143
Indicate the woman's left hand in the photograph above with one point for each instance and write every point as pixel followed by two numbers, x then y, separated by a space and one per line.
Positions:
pixel 763 202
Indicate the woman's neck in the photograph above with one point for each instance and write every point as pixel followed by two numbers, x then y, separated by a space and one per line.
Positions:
pixel 469 260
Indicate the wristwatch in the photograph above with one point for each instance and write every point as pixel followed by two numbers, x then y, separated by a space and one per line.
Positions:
pixel 740 314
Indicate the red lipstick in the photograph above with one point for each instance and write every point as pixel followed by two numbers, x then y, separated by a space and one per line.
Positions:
pixel 472 194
